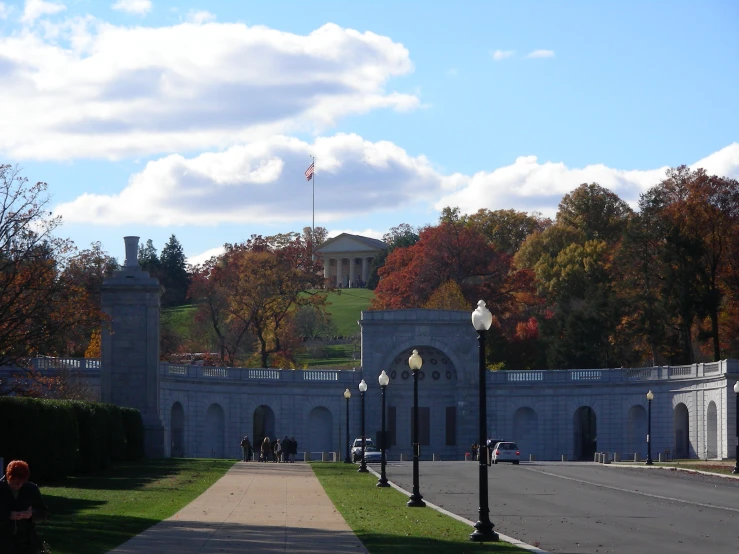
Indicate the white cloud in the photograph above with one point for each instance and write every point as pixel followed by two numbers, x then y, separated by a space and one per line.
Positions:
pixel 203 257
pixel 115 92
pixel 528 185
pixel 136 7
pixel 263 182
pixel 38 8
pixel 502 54
pixel 200 16
pixel 725 162
pixel 4 10
pixel 541 54
pixel 372 233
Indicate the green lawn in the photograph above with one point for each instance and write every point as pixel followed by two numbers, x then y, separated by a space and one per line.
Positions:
pixel 179 318
pixel 381 520
pixel 92 514
pixel 346 308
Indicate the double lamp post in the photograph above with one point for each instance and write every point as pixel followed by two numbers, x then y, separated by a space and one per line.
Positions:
pixel 481 320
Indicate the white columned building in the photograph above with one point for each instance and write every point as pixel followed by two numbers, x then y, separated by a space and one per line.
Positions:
pixel 347 258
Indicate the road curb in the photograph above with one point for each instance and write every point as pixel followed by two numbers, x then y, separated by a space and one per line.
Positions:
pixel 669 468
pixel 506 538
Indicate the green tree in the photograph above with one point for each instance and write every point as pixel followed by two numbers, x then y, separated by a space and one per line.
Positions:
pixel 596 211
pixel 507 229
pixel 149 260
pixel 174 274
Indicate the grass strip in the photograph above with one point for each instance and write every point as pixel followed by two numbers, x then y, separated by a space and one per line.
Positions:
pixel 382 521
pixel 90 514
pixel 710 466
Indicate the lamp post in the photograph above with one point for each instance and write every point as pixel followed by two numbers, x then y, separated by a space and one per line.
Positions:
pixel 416 500
pixel 736 465
pixel 384 380
pixel 650 397
pixel 481 321
pixel 363 464
pixel 347 396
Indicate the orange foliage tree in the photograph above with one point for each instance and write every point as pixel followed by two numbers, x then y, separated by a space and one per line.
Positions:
pixel 43 302
pixel 257 286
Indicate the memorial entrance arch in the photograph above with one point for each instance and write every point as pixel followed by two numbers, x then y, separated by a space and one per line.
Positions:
pixel 215 429
pixel 586 433
pixel 264 425
pixel 681 424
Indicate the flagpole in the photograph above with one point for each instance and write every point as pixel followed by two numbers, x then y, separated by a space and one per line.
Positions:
pixel 313 227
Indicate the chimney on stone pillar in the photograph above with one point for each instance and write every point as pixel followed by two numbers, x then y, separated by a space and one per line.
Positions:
pixel 132 252
pixel 129 366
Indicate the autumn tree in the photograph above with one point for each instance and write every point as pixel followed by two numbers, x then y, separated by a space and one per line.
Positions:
pixel 42 306
pixel 401 236
pixel 506 230
pixel 87 269
pixel 693 223
pixel 209 290
pixel 314 236
pixel 271 278
pixel 572 260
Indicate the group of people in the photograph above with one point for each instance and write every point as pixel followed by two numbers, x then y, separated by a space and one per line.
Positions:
pixel 490 443
pixel 270 451
pixel 21 507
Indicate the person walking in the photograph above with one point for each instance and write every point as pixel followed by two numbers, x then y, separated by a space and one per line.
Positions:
pixel 293 449
pixel 21 507
pixel 245 449
pixel 277 451
pixel 266 449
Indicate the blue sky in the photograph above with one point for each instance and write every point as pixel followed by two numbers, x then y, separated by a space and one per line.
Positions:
pixel 198 118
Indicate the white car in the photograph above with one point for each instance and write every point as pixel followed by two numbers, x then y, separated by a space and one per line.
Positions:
pixel 357 448
pixel 505 452
pixel 372 455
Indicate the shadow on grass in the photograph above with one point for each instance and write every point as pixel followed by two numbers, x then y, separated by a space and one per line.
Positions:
pixel 128 476
pixel 182 537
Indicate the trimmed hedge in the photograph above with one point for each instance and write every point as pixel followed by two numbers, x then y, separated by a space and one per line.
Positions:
pixel 61 437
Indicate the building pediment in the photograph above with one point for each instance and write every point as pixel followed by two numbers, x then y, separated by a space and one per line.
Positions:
pixel 351 243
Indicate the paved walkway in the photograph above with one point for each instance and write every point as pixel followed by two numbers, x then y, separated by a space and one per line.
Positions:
pixel 256 508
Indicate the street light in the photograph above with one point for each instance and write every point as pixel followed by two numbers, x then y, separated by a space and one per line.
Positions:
pixel 362 390
pixel 384 380
pixel 347 395
pixel 481 321
pixel 416 500
pixel 650 397
pixel 736 465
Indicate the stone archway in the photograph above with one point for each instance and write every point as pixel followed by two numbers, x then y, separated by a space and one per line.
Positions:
pixel 215 429
pixel 177 424
pixel 636 432
pixel 264 425
pixel 320 424
pixel 711 431
pixel 586 434
pixel 526 431
pixel 681 426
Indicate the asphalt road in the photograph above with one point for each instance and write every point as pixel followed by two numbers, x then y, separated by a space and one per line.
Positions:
pixel 584 507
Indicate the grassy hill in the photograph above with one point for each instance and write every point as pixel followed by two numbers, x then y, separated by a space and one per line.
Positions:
pixel 345 308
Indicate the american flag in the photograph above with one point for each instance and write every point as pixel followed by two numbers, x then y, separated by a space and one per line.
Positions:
pixel 309 172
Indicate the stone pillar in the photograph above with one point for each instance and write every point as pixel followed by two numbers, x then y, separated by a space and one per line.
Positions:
pixel 326 267
pixel 339 276
pixel 365 269
pixel 130 348
pixel 352 273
